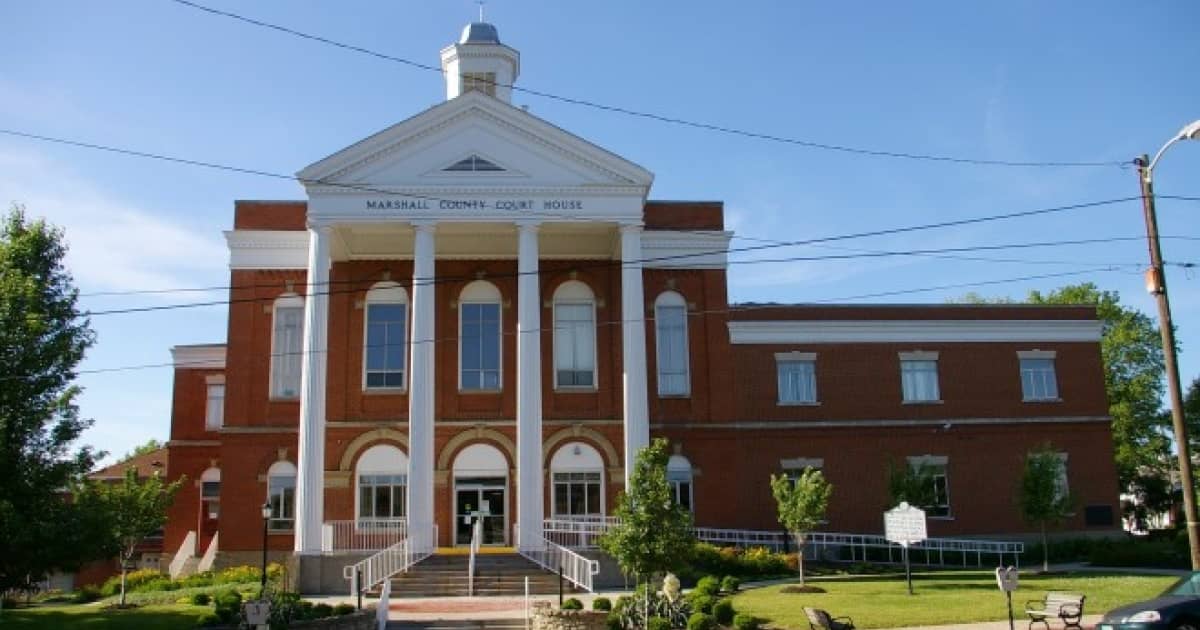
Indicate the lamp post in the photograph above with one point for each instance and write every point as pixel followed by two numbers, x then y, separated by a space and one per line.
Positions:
pixel 1156 284
pixel 266 514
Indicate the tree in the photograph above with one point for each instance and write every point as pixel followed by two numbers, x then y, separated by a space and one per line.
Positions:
pixel 43 338
pixel 801 503
pixel 1042 497
pixel 132 509
pixel 911 483
pixel 1191 414
pixel 151 445
pixel 653 533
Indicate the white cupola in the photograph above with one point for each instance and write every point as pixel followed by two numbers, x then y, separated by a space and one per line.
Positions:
pixel 478 61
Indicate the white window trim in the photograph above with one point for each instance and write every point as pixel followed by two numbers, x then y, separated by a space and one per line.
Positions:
pixel 210 381
pixel 378 288
pixel 286 300
pixel 499 302
pixel 673 299
pixel 796 357
pixel 603 491
pixel 1037 354
pixel 294 474
pixel 591 301
pixel 921 355
pixel 1049 355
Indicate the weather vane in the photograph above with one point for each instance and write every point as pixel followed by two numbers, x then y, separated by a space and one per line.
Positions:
pixel 480 3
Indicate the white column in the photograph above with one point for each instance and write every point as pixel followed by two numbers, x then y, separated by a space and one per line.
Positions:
pixel 310 481
pixel 633 349
pixel 421 391
pixel 529 390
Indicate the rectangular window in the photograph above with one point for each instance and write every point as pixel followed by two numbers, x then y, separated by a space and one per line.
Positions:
pixel 386 345
pixel 935 468
pixel 480 343
pixel 1061 489
pixel 210 498
pixel 286 351
pixel 214 410
pixel 797 377
pixel 381 497
pixel 681 489
pixel 577 494
pixel 795 467
pixel 670 332
pixel 281 493
pixel 1038 378
pixel 919 376
pixel 574 345
pixel 483 81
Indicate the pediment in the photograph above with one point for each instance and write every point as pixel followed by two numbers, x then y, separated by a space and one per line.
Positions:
pixel 475 141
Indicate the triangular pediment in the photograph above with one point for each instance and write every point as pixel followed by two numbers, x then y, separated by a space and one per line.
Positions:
pixel 475 141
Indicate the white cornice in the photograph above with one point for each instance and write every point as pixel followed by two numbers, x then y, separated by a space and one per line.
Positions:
pixel 915 331
pixel 267 249
pixel 206 357
pixel 664 249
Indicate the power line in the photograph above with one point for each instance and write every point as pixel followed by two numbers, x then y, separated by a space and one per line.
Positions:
pixel 655 116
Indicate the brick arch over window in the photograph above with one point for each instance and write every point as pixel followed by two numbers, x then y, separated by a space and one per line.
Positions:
pixel 359 445
pixel 581 433
pixel 478 434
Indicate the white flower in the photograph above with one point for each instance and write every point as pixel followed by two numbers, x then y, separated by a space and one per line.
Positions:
pixel 671 587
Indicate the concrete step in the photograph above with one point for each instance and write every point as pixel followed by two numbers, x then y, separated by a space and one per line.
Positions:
pixel 459 624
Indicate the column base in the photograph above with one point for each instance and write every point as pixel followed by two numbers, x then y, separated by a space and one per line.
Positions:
pixel 322 575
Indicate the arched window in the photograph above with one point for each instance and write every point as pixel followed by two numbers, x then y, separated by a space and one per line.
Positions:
pixel 210 493
pixel 679 475
pixel 479 337
pixel 385 342
pixel 574 336
pixel 577 474
pixel 281 494
pixel 382 480
pixel 287 346
pixel 670 334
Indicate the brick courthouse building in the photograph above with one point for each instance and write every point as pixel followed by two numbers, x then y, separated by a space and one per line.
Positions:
pixel 476 311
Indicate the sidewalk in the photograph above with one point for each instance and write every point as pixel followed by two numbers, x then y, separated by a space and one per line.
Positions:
pixel 1089 622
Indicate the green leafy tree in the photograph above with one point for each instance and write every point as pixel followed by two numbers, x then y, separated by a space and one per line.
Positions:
pixel 150 446
pixel 131 510
pixel 801 503
pixel 43 338
pixel 653 533
pixel 1043 496
pixel 1191 414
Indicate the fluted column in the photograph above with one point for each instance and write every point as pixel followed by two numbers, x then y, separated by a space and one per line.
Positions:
pixel 421 391
pixel 310 479
pixel 633 348
pixel 529 389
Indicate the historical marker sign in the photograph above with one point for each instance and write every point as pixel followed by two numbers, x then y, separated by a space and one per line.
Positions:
pixel 904 524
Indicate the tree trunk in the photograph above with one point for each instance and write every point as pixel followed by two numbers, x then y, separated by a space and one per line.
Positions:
pixel 1045 551
pixel 122 582
pixel 800 557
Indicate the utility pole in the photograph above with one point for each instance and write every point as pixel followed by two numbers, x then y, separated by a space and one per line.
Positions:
pixel 1156 284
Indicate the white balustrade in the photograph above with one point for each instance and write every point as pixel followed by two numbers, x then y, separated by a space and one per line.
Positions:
pixel 396 558
pixel 365 534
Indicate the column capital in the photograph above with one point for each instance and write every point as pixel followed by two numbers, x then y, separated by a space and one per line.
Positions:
pixel 322 227
pixel 631 227
pixel 528 225
pixel 423 225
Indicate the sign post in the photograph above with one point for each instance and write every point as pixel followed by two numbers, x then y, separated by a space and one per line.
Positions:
pixel 905 525
pixel 1007 580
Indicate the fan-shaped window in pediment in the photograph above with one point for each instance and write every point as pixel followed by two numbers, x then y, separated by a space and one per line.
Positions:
pixel 473 164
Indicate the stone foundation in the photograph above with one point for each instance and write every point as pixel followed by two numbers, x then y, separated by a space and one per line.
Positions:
pixel 546 617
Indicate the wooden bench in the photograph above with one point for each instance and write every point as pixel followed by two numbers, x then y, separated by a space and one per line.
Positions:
pixel 820 620
pixel 1067 607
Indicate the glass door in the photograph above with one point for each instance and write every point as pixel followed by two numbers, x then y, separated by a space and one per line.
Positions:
pixel 480 497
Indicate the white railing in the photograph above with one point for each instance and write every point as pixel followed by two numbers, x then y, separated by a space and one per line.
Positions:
pixel 555 558
pixel 210 554
pixel 741 537
pixel 391 560
pixel 476 541
pixel 381 607
pixel 186 552
pixel 364 534
pixel 576 532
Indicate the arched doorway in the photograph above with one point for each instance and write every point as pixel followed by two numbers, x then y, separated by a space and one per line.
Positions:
pixel 480 491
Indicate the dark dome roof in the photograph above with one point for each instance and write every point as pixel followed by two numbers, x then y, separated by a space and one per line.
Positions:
pixel 479 33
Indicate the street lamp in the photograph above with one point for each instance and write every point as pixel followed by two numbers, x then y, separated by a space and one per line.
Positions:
pixel 266 514
pixel 1156 284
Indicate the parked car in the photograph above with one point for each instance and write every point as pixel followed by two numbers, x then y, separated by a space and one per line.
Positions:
pixel 1178 608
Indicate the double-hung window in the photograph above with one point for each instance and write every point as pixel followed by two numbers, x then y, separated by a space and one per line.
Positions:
pixel 381 497
pixel 1038 379
pixel 385 341
pixel 214 404
pixel 287 346
pixel 670 333
pixel 281 495
pixel 934 468
pixel 574 336
pixel 796 375
pixel 479 338
pixel 919 377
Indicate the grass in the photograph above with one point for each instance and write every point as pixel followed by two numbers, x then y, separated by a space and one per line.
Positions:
pixel 94 617
pixel 940 598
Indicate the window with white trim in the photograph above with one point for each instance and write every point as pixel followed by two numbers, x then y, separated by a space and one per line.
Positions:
pixel 796 376
pixel 670 334
pixel 482 81
pixel 935 467
pixel 382 480
pixel 281 495
pixel 214 403
pixel 210 493
pixel 479 340
pixel 287 346
pixel 679 475
pixel 1038 378
pixel 919 376
pixel 574 336
pixel 796 466
pixel 577 476
pixel 385 340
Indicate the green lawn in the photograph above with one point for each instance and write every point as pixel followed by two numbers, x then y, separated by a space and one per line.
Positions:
pixel 93 617
pixel 939 598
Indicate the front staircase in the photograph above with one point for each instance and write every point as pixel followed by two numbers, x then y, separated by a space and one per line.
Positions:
pixel 496 575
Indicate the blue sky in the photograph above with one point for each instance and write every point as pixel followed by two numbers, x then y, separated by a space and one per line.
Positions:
pixel 1020 81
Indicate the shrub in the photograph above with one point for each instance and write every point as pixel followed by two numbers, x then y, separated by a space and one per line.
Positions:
pixel 343 609
pixel 320 611
pixel 237 575
pixel 702 602
pixel 208 620
pixel 708 585
pixel 658 623
pixel 133 581
pixel 730 584
pixel 602 603
pixel 228 605
pixel 723 612
pixel 305 610
pixel 572 604
pixel 613 622
pixel 85 594
pixel 7 603
pixel 701 621
pixel 742 621
pixel 201 599
pixel 204 578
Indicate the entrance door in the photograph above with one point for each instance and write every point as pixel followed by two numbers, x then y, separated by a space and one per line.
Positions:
pixel 480 497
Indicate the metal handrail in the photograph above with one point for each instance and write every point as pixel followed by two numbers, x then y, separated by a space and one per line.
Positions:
pixel 476 541
pixel 364 534
pixel 396 558
pixel 555 558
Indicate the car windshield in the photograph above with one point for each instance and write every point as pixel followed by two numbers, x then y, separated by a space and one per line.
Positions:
pixel 1187 585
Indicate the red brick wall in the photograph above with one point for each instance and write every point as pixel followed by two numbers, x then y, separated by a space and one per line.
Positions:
pixel 270 215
